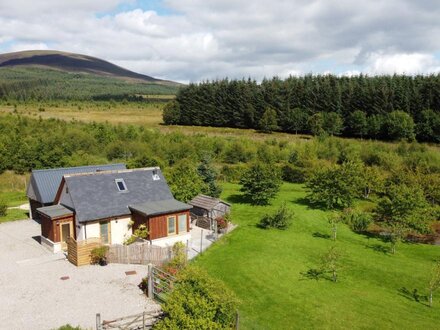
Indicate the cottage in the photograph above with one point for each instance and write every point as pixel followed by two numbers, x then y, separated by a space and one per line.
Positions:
pixel 109 205
pixel 43 184
pixel 209 207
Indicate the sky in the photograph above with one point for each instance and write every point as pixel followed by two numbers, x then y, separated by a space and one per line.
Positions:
pixel 196 40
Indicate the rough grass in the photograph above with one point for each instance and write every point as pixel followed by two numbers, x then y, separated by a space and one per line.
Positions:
pixel 14 214
pixel 264 268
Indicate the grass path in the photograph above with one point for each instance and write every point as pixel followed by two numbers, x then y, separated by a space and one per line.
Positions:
pixel 263 267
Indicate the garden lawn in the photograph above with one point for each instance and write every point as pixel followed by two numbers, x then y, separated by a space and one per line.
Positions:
pixel 264 269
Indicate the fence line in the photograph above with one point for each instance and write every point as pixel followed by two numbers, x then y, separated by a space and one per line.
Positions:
pixel 78 253
pixel 139 253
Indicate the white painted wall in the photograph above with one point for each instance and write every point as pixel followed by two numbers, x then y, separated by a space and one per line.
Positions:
pixel 120 231
pixel 171 240
pixel 92 230
pixel 53 247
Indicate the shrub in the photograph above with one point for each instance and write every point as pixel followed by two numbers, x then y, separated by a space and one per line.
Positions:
pixel 3 208
pixel 179 260
pixel 198 302
pixel 222 223
pixel 281 219
pixel 99 254
pixel 140 232
pixel 357 221
pixel 293 174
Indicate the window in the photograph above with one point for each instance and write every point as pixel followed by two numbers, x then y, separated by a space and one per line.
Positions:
pixel 182 223
pixel 121 185
pixel 171 225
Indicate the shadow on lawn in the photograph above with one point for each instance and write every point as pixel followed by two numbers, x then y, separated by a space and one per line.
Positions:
pixel 238 198
pixel 378 248
pixel 413 295
pixel 320 235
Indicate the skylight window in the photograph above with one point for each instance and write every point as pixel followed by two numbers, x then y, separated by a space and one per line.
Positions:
pixel 155 175
pixel 120 183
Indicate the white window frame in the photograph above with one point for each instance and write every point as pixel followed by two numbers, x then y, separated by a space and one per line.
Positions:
pixel 123 183
pixel 168 225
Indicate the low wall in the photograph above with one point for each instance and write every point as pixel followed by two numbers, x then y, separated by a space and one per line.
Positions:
pixel 48 244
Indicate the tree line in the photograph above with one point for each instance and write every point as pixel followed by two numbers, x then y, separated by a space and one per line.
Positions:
pixel 379 107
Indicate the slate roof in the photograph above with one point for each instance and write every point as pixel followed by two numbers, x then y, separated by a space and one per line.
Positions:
pixel 160 207
pixel 55 211
pixel 43 184
pixel 96 196
pixel 206 202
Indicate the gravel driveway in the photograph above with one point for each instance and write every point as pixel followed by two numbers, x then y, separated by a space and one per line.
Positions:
pixel 33 296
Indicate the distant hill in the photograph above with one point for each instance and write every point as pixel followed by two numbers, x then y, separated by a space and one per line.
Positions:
pixel 51 75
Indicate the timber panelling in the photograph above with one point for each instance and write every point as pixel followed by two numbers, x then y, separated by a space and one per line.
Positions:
pixel 157 225
pixel 79 253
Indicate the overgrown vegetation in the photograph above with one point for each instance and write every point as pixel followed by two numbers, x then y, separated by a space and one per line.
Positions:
pixel 380 107
pixel 281 219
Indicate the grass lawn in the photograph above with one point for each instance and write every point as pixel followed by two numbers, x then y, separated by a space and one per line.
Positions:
pixel 13 198
pixel 263 267
pixel 14 214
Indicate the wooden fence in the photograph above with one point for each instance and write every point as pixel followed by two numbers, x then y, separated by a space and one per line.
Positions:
pixel 143 321
pixel 78 253
pixel 139 253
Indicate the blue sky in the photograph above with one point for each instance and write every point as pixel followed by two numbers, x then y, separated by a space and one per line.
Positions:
pixel 194 40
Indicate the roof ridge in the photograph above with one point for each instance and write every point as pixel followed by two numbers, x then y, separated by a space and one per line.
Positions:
pixel 74 167
pixel 112 171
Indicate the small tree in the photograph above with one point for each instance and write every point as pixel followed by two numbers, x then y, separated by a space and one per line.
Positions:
pixel 209 176
pixel 184 181
pixel 434 282
pixel 281 219
pixel 260 183
pixel 358 124
pixel 331 262
pixel 198 302
pixel 268 121
pixel 296 120
pixel 3 208
pixel 171 113
pixel 400 126
pixel 334 219
pixel 332 123
pixel 316 124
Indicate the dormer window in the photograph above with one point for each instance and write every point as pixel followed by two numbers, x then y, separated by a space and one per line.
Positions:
pixel 120 183
pixel 155 176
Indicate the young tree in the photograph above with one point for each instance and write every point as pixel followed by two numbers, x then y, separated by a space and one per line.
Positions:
pixel 434 282
pixel 260 182
pixel 184 181
pixel 428 126
pixel 209 176
pixel 268 121
pixel 332 123
pixel 316 124
pixel 281 219
pixel 296 120
pixel 337 186
pixel 331 262
pixel 400 126
pixel 334 219
pixel 402 209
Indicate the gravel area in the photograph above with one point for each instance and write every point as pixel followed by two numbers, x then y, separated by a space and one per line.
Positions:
pixel 33 295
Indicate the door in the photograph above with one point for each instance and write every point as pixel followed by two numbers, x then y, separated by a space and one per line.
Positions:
pixel 104 229
pixel 66 231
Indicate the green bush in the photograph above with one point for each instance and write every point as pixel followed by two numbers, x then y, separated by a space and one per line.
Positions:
pixel 293 174
pixel 3 208
pixel 198 302
pixel 69 327
pixel 281 219
pixel 99 254
pixel 357 221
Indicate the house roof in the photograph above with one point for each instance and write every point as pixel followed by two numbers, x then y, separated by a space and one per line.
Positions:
pixel 96 196
pixel 160 207
pixel 43 184
pixel 206 202
pixel 55 211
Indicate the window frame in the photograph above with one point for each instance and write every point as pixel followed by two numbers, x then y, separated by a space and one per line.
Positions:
pixel 185 230
pixel 117 181
pixel 168 225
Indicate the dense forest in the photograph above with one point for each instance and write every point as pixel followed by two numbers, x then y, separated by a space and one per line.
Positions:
pixel 34 84
pixel 380 107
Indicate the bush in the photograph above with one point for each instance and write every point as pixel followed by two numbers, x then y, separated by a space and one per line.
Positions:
pixel 3 208
pixel 281 219
pixel 293 174
pixel 222 223
pixel 99 254
pixel 140 232
pixel 357 221
pixel 198 302
pixel 179 260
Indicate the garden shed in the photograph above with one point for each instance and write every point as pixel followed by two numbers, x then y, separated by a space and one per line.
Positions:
pixel 209 207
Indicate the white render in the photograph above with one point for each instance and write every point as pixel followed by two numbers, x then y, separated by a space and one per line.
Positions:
pixel 52 246
pixel 120 230
pixel 92 230
pixel 171 240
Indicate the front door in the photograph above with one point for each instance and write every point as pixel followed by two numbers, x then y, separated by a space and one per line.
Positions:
pixel 105 232
pixel 66 231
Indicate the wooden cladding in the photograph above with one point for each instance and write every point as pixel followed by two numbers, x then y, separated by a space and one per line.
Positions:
pixel 50 228
pixel 158 225
pixel 79 253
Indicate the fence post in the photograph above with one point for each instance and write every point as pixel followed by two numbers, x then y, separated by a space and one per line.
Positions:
pixel 150 281
pixel 237 320
pixel 187 249
pixel 201 241
pixel 98 321
pixel 143 320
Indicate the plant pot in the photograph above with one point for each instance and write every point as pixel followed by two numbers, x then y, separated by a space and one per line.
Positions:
pixel 103 262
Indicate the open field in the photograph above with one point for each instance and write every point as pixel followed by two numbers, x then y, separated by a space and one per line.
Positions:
pixel 263 267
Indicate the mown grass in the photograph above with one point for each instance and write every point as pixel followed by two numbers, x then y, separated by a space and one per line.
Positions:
pixel 264 268
pixel 14 214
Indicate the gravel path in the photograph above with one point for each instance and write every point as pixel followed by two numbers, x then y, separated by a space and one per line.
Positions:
pixel 33 296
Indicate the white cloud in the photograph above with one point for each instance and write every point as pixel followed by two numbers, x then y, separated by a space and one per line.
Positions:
pixel 217 38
